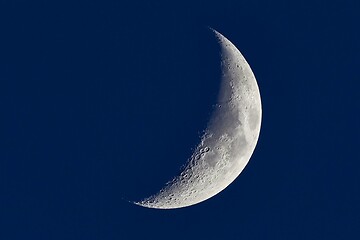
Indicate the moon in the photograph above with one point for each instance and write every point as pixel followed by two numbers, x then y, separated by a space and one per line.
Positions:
pixel 228 140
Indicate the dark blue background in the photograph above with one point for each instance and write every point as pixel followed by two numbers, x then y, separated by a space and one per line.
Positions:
pixel 102 101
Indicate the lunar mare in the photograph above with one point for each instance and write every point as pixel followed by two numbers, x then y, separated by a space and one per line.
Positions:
pixel 228 141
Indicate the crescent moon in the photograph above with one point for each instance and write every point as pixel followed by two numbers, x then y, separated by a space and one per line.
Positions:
pixel 228 141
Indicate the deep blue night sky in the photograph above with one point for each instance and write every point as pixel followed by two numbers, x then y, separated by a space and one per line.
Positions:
pixel 102 101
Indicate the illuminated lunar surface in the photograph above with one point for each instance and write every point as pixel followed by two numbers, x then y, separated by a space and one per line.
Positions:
pixel 228 140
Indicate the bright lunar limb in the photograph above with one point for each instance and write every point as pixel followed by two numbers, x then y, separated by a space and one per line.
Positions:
pixel 228 141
